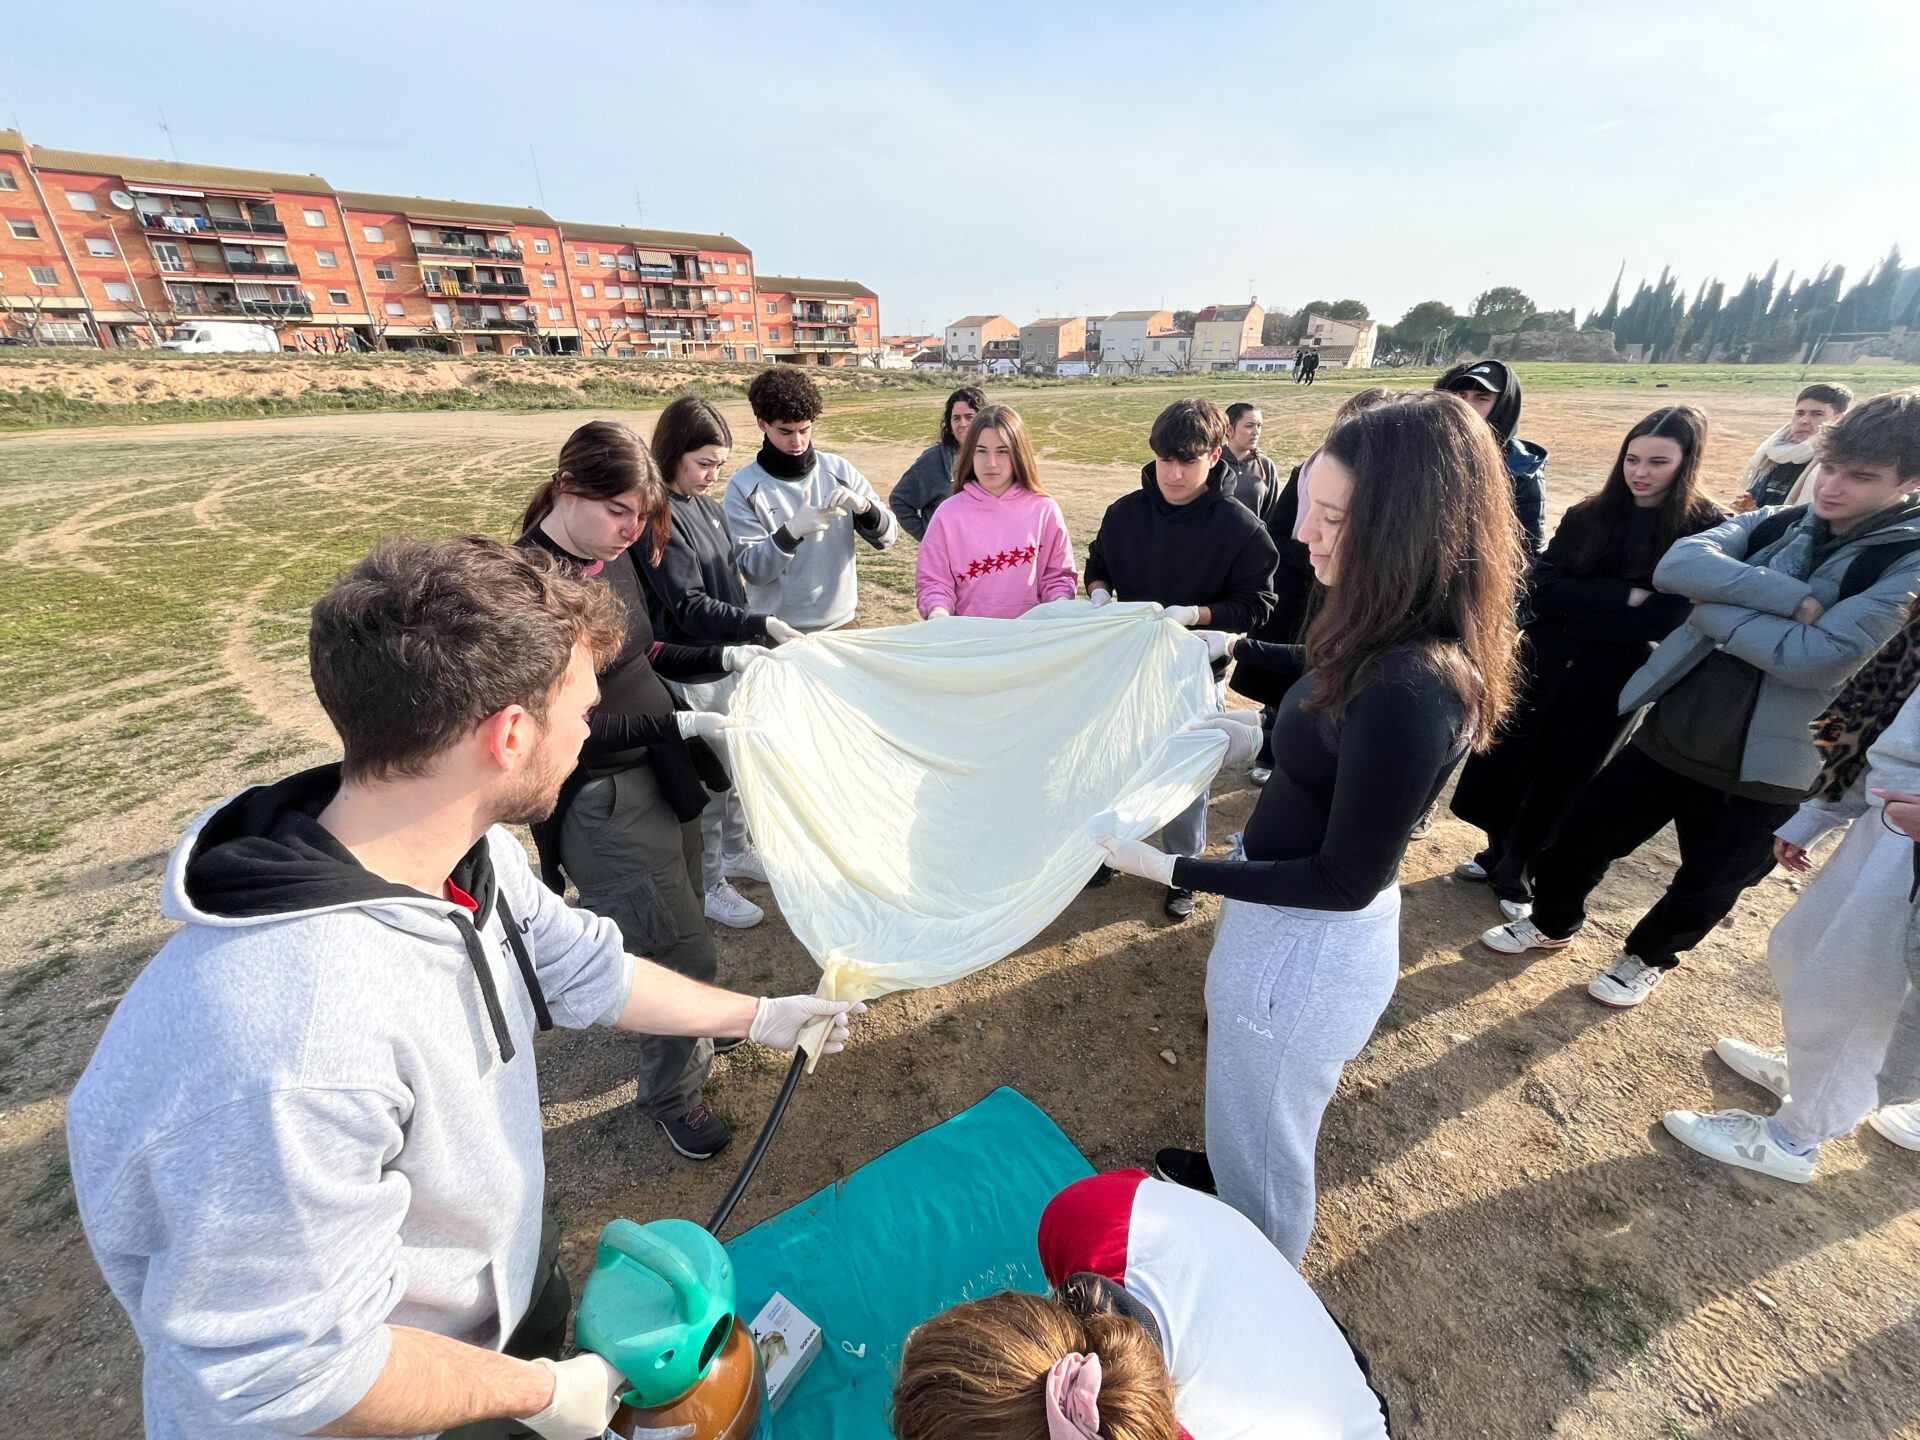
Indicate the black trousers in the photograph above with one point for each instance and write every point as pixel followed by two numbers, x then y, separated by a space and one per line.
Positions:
pixel 541 1334
pixel 1726 845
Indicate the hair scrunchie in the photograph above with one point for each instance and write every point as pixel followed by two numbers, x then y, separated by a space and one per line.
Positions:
pixel 1073 1393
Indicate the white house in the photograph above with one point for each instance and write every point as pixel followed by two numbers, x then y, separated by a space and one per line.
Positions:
pixel 1343 343
pixel 1126 338
pixel 1269 357
pixel 968 338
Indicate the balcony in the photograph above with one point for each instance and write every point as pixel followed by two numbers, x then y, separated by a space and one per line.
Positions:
pixel 260 267
pixel 500 287
pixel 660 272
pixel 248 227
pixel 283 308
pixel 209 225
pixel 525 327
pixel 809 342
pixel 470 252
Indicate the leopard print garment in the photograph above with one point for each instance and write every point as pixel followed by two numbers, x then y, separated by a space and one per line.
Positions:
pixel 1865 707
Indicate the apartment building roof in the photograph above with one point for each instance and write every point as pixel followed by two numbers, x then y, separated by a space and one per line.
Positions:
pixel 1054 320
pixel 653 239
pixel 418 207
pixel 972 320
pixel 172 173
pixel 1270 352
pixel 1136 315
pixel 1224 312
pixel 795 285
pixel 13 142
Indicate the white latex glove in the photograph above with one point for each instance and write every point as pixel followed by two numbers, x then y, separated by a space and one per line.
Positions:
pixel 938 610
pixel 1188 615
pixel 851 501
pixel 708 725
pixel 1243 740
pixel 779 631
pixel 811 520
pixel 1136 857
pixel 585 1395
pixel 778 1023
pixel 735 658
pixel 1219 643
pixel 1099 596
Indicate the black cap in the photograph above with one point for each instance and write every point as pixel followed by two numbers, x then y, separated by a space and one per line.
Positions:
pixel 1481 377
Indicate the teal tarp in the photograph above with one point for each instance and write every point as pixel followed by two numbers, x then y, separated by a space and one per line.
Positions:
pixel 950 1215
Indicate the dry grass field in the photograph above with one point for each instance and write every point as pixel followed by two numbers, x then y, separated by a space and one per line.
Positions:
pixel 1504 1225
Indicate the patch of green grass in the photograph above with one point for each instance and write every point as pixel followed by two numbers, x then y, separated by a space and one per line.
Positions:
pixel 1602 1310
pixel 1671 1428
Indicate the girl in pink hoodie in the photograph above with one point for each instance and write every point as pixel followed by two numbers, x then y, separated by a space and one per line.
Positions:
pixel 999 547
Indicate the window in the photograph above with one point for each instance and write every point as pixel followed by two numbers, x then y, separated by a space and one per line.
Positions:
pixel 383 272
pixel 581 257
pixel 1207 346
pixel 424 237
pixel 746 324
pixel 740 268
pixel 606 262
pixel 8 180
pixel 315 218
pixel 633 292
pixel 773 335
pixel 43 275
pixel 587 290
pixel 864 312
pixel 394 307
pixel 81 200
pixel 554 312
pixel 753 352
pixel 593 322
pixel 548 280
pixel 626 262
pixel 375 234
pixel 103 248
pixel 772 308
pixel 626 350
pixel 726 324
pixel 119 290
pixel 1156 344
pixel 706 297
pixel 23 229
pixel 326 259
pixel 541 246
pixel 726 297
pixel 338 297
pixel 168 254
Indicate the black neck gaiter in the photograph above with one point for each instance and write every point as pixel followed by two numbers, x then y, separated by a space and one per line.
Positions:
pixel 782 466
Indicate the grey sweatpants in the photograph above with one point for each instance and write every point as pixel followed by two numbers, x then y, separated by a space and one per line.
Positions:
pixel 723 824
pixel 1292 995
pixel 1186 833
pixel 637 864
pixel 1900 1071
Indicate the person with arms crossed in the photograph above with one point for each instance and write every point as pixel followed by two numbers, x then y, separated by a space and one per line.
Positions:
pixel 307 1151
pixel 929 480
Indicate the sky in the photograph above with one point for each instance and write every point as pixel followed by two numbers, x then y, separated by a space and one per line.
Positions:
pixel 1061 158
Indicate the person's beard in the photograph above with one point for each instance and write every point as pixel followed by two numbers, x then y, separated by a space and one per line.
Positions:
pixel 533 793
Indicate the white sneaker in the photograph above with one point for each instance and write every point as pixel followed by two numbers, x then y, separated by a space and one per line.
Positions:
pixel 1259 775
pixel 1765 1068
pixel 732 909
pixel 1629 982
pixel 1519 936
pixel 1899 1123
pixel 1735 1137
pixel 1516 909
pixel 747 865
pixel 1471 870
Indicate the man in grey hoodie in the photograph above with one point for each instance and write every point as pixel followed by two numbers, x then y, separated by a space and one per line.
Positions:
pixel 1788 603
pixel 307 1152
pixel 794 511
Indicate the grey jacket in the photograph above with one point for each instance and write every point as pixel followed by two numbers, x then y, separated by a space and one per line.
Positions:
pixel 1746 609
pixel 810 583
pixel 927 482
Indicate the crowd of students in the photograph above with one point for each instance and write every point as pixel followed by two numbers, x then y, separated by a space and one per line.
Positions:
pixel 1393 608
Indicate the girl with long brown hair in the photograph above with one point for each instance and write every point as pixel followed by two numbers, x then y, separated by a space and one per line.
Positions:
pixel 999 546
pixel 626 830
pixel 1408 664
pixel 1594 619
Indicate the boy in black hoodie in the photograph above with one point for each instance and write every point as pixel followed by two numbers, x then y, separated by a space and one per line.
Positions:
pixel 1493 391
pixel 1179 541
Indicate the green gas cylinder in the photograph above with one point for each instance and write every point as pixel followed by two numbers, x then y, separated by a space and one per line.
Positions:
pixel 658 1306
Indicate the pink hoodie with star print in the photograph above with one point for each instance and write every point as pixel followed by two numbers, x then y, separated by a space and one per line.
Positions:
pixel 995 557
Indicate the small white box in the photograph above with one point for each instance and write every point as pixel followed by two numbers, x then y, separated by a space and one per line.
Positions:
pixel 787 1341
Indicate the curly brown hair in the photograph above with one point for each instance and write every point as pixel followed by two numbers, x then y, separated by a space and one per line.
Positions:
pixel 784 393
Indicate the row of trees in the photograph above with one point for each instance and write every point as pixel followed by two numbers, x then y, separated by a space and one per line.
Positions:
pixel 1763 320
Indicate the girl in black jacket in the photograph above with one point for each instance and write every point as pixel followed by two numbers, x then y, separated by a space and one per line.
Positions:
pixel 1595 617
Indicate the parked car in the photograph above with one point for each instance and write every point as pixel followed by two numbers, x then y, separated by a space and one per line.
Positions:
pixel 223 337
pixel 521 350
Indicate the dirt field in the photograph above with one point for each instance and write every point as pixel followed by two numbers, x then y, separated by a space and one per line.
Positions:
pixel 1504 1226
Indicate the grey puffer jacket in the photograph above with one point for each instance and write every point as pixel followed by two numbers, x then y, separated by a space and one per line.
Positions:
pixel 1746 609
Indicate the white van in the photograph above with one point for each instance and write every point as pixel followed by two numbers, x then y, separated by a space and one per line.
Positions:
pixel 223 337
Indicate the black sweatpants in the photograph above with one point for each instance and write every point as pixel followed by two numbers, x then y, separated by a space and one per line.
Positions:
pixel 1726 845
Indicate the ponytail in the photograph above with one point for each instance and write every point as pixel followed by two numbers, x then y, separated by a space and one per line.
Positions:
pixel 540 505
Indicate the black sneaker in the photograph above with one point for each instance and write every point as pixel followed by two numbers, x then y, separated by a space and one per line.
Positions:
pixel 1102 876
pixel 1185 1167
pixel 1179 904
pixel 729 1045
pixel 699 1134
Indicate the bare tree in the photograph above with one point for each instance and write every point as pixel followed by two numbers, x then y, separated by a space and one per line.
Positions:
pixel 24 321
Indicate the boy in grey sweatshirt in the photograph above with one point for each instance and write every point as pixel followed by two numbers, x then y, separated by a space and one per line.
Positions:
pixel 307 1152
pixel 794 511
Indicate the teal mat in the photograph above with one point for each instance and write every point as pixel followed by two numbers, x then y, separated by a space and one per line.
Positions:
pixel 950 1215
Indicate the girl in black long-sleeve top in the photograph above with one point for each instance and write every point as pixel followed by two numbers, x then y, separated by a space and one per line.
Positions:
pixel 1407 665
pixel 1594 618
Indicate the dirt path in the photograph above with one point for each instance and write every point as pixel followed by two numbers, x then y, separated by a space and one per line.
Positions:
pixel 1504 1225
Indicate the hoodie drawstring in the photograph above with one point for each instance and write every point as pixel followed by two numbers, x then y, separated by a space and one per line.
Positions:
pixel 542 1016
pixel 477 957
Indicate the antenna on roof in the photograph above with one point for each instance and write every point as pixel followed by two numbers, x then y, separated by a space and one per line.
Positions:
pixel 640 209
pixel 539 188
pixel 169 130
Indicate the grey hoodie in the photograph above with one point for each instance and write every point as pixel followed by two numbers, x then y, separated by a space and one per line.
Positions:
pixel 809 583
pixel 1746 609
pixel 299 1126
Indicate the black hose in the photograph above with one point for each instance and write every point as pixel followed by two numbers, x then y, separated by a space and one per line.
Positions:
pixel 745 1177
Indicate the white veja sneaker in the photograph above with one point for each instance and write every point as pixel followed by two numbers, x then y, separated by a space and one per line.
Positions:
pixel 1519 936
pixel 1516 909
pixel 1765 1068
pixel 1735 1137
pixel 1629 982
pixel 747 865
pixel 1899 1123
pixel 732 909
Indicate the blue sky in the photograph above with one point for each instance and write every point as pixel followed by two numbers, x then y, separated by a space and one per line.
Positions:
pixel 1032 158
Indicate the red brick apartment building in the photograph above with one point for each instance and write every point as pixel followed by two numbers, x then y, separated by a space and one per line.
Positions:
pixel 111 251
pixel 818 322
